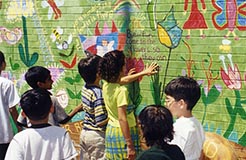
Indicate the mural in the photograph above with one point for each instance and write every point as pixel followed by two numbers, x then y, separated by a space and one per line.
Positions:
pixel 201 39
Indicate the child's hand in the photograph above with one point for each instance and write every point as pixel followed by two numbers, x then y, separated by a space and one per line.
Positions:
pixel 131 153
pixel 153 68
pixel 79 108
pixel 131 71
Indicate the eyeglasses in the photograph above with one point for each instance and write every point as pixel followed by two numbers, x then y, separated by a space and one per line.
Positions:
pixel 169 101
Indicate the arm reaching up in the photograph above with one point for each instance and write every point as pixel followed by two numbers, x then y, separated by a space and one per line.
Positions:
pixel 132 76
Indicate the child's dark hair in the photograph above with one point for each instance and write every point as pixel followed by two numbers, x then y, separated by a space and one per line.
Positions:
pixel 156 122
pixel 111 65
pixel 2 58
pixel 185 88
pixel 36 103
pixel 36 74
pixel 88 68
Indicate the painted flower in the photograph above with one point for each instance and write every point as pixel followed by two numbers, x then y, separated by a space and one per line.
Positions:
pixel 138 64
pixel 231 75
pixel 169 32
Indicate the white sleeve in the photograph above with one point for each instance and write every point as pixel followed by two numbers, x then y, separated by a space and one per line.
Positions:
pixel 12 96
pixel 69 150
pixel 14 151
pixel 59 112
pixel 179 140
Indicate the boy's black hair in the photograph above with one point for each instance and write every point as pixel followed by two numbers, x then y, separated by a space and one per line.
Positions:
pixel 2 58
pixel 36 103
pixel 36 74
pixel 156 122
pixel 111 65
pixel 88 68
pixel 185 88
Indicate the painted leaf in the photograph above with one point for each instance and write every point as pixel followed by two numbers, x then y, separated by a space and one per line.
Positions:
pixel 212 95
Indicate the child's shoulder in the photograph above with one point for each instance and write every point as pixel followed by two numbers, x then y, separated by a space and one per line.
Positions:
pixel 187 123
pixel 5 81
pixel 30 134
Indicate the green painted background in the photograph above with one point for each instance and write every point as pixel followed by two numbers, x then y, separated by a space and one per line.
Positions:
pixel 25 38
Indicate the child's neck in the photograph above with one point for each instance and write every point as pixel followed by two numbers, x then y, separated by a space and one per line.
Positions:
pixel 186 114
pixel 37 122
pixel 96 83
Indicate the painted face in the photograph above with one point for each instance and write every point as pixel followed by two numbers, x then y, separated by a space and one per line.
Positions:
pixel 104 42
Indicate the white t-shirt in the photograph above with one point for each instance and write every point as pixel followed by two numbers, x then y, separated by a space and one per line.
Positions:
pixel 47 143
pixel 189 136
pixel 8 98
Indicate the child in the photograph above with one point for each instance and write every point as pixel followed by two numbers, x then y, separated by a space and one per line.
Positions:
pixel 157 127
pixel 9 98
pixel 42 141
pixel 92 137
pixel 39 77
pixel 122 140
pixel 182 95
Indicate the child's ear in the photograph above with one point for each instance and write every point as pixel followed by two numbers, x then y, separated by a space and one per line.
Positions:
pixel 40 84
pixel 182 103
pixel 52 109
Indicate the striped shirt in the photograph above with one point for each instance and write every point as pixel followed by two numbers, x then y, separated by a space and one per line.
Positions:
pixel 95 112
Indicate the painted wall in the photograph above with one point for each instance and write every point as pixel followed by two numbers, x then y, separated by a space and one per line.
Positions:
pixel 201 39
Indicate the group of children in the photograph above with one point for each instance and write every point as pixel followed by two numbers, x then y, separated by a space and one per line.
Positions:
pixel 110 127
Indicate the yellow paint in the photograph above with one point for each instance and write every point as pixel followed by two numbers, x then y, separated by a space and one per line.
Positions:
pixel 163 36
